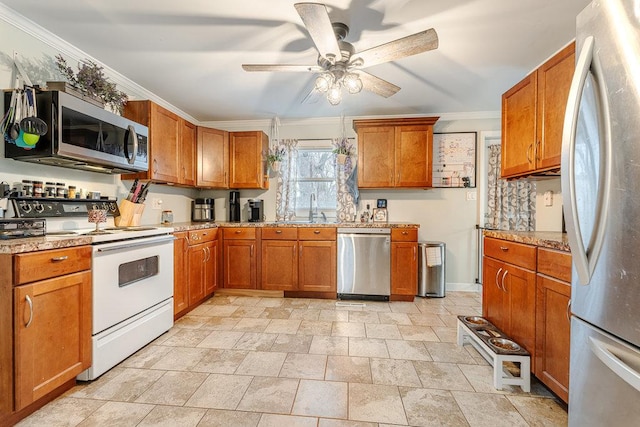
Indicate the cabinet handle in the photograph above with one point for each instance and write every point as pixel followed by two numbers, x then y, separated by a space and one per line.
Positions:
pixel 404 233
pixel 251 251
pixel 537 150
pixel 529 150
pixel 504 248
pixel 502 281
pixel 497 274
pixel 238 231
pixel 316 231
pixel 415 250
pixel 398 176
pixel 300 251
pixel 155 166
pixel 30 310
pixel 59 258
pixel 569 311
pixel 278 231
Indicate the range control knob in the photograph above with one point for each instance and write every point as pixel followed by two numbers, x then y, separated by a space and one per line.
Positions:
pixel 38 207
pixel 25 207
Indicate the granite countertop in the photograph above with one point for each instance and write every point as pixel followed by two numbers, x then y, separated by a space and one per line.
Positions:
pixel 31 244
pixel 545 239
pixel 187 226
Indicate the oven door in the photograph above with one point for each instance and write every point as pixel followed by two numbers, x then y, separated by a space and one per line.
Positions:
pixel 129 277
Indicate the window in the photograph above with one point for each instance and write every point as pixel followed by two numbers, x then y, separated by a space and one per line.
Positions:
pixel 315 180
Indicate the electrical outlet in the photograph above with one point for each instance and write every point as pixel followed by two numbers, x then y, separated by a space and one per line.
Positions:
pixel 548 198
pixel 156 204
pixel 472 195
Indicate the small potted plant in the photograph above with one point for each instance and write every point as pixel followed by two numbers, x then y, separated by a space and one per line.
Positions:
pixel 343 150
pixel 274 157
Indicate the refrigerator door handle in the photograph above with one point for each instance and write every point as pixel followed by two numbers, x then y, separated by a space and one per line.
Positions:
pixel 584 259
pixel 616 363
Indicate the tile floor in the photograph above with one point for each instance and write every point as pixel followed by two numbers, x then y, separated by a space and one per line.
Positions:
pixel 249 361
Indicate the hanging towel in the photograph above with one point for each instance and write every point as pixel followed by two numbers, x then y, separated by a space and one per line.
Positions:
pixel 352 185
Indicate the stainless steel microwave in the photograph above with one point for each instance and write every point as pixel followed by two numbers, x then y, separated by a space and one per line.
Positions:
pixel 83 136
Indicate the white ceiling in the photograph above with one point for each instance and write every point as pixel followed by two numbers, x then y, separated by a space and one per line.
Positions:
pixel 189 52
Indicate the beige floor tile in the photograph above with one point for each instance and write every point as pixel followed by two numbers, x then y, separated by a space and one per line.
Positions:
pixel 326 422
pixel 187 338
pixel 274 420
pixel 417 333
pixel 408 350
pixel 449 353
pixel 292 343
pixel 220 391
pixel 432 408
pixel 248 312
pixel 67 411
pixel 376 403
pixel 394 372
pixel 220 324
pixel 348 329
pixel 482 409
pixel 377 306
pixel 181 359
pixel 246 301
pixel 539 411
pixel 255 341
pixel 276 313
pixel 171 416
pixel 85 389
pixel 283 326
pixel 220 361
pixel 348 369
pixel 262 363
pixel 296 302
pixel 403 307
pixel 223 418
pixel 221 310
pixel 321 399
pixel 190 321
pixel 367 317
pixel 162 338
pixel 313 327
pixel 423 319
pixel 446 334
pixel 477 357
pixel 200 310
pixel 117 414
pixel 450 320
pixel 146 357
pixel 395 318
pixel 333 315
pixel 443 376
pixel 173 388
pixel 221 339
pixel 270 302
pixel 309 366
pixel 329 345
pixel 266 394
pixel 127 386
pixel 386 331
pixel 221 299
pixel 367 347
pixel 308 314
pixel 251 325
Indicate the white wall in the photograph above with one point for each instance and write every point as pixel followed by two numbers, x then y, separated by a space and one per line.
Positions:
pixel 548 218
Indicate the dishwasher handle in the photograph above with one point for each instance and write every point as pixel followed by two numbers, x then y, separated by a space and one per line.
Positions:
pixel 363 230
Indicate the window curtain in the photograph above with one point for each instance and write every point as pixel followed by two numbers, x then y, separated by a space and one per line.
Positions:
pixel 285 188
pixel 346 189
pixel 511 204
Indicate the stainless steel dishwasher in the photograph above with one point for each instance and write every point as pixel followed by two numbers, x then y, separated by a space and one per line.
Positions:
pixel 364 263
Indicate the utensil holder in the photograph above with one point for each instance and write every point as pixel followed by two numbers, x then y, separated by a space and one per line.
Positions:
pixel 130 214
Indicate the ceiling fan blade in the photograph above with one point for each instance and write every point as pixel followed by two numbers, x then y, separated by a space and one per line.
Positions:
pixel 283 67
pixel 397 49
pixel 316 18
pixel 377 85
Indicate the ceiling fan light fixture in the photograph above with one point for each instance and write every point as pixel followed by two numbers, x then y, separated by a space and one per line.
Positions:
pixel 334 95
pixel 324 82
pixel 352 82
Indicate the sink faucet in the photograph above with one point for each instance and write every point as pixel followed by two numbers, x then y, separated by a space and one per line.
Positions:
pixel 324 217
pixel 312 199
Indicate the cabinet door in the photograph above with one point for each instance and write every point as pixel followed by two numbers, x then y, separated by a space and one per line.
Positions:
pixel 376 157
pixel 213 158
pixel 404 268
pixel 164 137
pixel 247 163
pixel 239 264
pixel 187 166
pixel 180 273
pixel 317 266
pixel 52 333
pixel 493 306
pixel 197 260
pixel 280 265
pixel 519 127
pixel 520 285
pixel 211 267
pixel 413 156
pixel 554 81
pixel 553 334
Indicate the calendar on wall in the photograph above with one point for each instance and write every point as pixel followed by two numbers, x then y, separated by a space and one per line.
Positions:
pixel 454 159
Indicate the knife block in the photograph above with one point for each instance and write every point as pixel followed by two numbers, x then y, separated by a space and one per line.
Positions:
pixel 130 214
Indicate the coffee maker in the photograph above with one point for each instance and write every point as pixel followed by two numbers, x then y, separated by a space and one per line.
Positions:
pixel 202 210
pixel 256 211
pixel 234 206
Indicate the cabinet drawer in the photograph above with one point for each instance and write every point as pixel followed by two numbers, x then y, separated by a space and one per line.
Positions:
pixel 34 266
pixel 279 233
pixel 239 233
pixel 514 253
pixel 404 234
pixel 202 236
pixel 310 233
pixel 554 263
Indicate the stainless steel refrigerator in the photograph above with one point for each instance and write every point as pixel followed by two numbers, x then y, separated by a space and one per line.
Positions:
pixel 600 183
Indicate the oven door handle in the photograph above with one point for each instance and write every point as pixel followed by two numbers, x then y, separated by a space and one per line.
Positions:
pixel 137 245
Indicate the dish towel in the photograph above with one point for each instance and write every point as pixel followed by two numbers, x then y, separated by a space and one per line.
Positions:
pixel 352 185
pixel 433 257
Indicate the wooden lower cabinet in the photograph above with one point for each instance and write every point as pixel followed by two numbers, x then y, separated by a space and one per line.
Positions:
pixel 317 265
pixel 240 263
pixel 180 273
pixel 404 263
pixel 280 265
pixel 494 308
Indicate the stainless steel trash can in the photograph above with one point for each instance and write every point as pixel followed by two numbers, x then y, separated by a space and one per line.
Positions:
pixel 431 269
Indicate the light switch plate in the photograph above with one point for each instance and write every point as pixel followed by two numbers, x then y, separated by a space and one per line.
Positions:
pixel 156 204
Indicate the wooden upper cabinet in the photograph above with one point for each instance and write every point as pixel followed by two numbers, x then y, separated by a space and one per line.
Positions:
pixel 187 154
pixel 213 158
pixel 395 153
pixel 533 117
pixel 247 164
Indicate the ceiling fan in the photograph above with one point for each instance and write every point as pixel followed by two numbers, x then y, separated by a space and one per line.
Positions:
pixel 339 65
